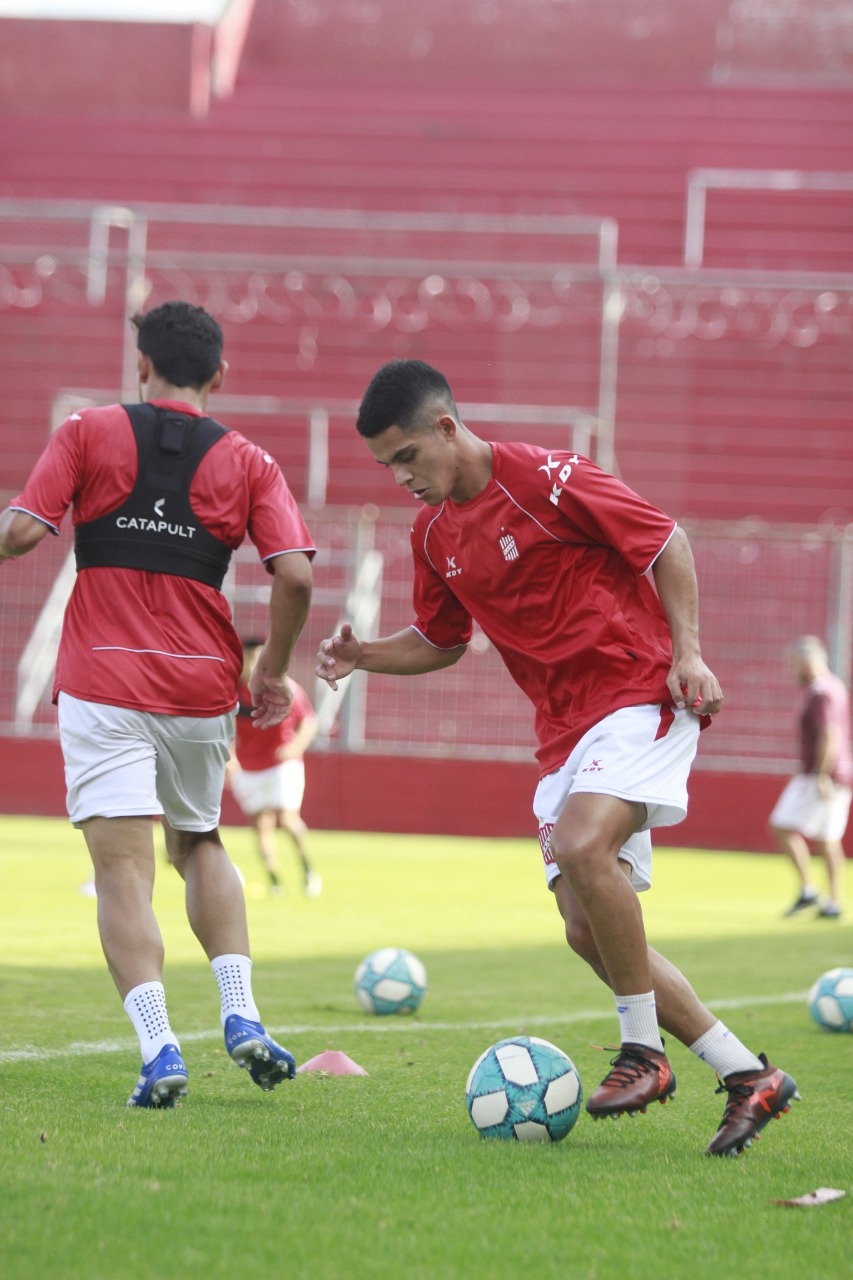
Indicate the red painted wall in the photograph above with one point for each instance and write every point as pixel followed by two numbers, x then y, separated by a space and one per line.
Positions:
pixel 445 797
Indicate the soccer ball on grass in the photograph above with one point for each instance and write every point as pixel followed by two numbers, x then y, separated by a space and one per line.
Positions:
pixel 831 1000
pixel 525 1089
pixel 390 980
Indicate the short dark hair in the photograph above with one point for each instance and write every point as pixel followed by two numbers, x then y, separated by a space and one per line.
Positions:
pixel 398 394
pixel 183 342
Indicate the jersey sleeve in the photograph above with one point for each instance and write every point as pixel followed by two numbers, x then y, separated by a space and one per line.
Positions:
pixel 584 503
pixel 55 479
pixel 439 617
pixel 275 526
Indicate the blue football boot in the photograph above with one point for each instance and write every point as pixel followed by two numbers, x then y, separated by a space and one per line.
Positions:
pixel 161 1081
pixel 250 1047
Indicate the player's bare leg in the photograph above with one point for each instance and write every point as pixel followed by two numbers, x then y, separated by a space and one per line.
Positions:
pixel 585 843
pixel 292 822
pixel 797 849
pixel 832 852
pixel 756 1091
pixel 265 824
pixel 680 1011
pixel 122 853
pixel 216 908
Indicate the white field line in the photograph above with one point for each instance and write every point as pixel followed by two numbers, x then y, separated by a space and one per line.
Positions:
pixel 90 1048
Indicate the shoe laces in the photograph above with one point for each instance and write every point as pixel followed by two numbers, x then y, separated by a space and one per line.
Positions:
pixel 628 1066
pixel 739 1092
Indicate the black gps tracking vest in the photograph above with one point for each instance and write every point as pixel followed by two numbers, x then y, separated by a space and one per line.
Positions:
pixel 155 527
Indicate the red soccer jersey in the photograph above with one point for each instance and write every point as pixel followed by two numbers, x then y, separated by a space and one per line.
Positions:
pixel 258 749
pixel 550 560
pixel 826 709
pixel 154 641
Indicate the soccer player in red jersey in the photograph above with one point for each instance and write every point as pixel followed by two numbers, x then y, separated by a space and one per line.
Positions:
pixel 148 665
pixel 550 555
pixel 267 775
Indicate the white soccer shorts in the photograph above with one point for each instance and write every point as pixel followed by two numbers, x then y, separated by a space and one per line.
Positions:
pixel 642 754
pixel 281 787
pixel 802 808
pixel 123 763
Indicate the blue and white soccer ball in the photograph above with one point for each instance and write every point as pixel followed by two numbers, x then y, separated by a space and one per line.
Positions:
pixel 525 1089
pixel 390 980
pixel 831 1000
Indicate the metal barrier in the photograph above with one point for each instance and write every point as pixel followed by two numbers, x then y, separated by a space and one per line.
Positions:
pixel 309 270
pixel 760 586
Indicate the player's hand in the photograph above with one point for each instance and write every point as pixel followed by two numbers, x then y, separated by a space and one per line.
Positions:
pixel 272 697
pixel 825 786
pixel 693 685
pixel 338 656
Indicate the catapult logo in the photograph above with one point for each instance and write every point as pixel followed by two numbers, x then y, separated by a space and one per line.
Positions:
pixel 160 525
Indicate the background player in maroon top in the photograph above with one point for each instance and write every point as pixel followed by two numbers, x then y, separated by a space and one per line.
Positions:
pixel 550 555
pixel 267 775
pixel 148 664
pixel 814 807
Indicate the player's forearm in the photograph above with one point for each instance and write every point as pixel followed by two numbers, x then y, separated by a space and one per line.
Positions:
pixel 406 653
pixel 675 579
pixel 303 737
pixel 826 751
pixel 289 602
pixel 19 533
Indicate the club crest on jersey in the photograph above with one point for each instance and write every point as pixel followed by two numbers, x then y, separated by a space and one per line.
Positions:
pixel 453 569
pixel 508 546
pixel 564 470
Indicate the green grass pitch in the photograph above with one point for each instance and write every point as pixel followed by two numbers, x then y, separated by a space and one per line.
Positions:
pixel 383 1176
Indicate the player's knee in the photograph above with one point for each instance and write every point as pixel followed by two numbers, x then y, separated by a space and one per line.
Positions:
pixel 572 854
pixel 580 939
pixel 181 845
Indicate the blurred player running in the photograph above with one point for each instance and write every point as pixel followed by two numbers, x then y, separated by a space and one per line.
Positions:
pixel 267 775
pixel 812 811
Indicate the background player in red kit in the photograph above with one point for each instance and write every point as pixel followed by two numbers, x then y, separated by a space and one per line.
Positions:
pixel 550 555
pixel 146 677
pixel 267 775
pixel 814 807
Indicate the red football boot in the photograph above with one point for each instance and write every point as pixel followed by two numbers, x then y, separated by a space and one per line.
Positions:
pixel 640 1075
pixel 754 1098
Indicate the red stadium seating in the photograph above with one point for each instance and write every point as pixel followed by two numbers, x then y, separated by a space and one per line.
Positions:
pixel 733 385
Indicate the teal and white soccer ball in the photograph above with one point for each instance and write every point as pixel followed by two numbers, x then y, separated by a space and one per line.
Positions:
pixel 390 980
pixel 831 1000
pixel 525 1089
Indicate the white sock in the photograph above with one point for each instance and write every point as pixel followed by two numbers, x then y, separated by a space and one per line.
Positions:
pixel 145 1005
pixel 724 1052
pixel 234 975
pixel 638 1020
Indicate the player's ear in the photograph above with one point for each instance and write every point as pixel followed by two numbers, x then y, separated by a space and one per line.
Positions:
pixel 219 377
pixel 144 367
pixel 448 427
